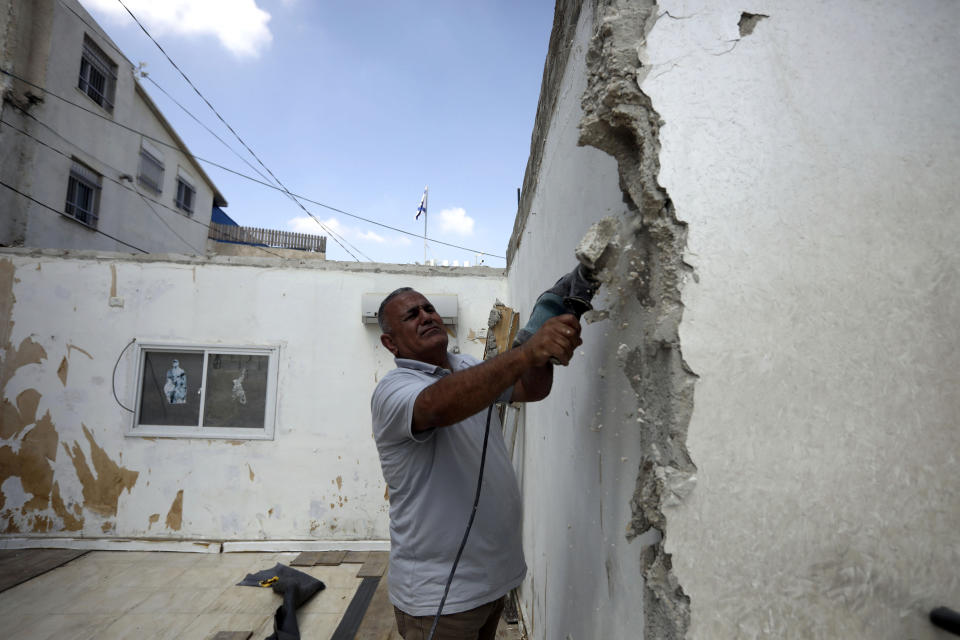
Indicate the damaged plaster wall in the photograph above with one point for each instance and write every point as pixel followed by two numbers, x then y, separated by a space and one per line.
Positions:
pixel 783 181
pixel 813 149
pixel 603 454
pixel 66 467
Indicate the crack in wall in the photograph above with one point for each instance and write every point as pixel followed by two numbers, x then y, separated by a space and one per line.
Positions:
pixel 620 120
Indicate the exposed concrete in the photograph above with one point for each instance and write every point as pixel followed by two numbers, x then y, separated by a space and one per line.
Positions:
pixel 619 119
pixel 581 450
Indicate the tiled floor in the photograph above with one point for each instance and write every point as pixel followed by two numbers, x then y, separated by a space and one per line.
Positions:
pixel 135 594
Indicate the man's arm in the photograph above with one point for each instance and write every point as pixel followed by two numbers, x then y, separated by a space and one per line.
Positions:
pixel 464 393
pixel 533 385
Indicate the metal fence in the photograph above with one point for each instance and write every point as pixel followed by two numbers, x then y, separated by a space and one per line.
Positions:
pixel 267 237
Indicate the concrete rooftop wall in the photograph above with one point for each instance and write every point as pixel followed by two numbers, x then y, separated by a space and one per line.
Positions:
pixel 761 438
pixel 68 469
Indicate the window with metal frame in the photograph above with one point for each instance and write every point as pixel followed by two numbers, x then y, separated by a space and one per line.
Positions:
pixel 186 194
pixel 151 167
pixel 83 194
pixel 205 392
pixel 98 74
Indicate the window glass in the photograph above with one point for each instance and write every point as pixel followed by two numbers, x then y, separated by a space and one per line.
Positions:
pixel 83 194
pixel 170 393
pixel 236 390
pixel 98 74
pixel 184 198
pixel 151 171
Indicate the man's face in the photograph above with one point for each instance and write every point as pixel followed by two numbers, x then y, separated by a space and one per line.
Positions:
pixel 416 329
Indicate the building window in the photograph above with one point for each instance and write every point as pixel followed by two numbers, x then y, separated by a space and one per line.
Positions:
pixel 83 194
pixel 205 392
pixel 151 167
pixel 186 193
pixel 98 74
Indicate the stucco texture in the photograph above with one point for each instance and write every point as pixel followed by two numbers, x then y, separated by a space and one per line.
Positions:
pixel 815 162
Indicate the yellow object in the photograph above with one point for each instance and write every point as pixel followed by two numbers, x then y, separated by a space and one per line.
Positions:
pixel 270 581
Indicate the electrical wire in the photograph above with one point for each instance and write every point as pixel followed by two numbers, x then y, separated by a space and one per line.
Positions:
pixel 241 174
pixel 164 222
pixel 337 238
pixel 245 145
pixel 113 378
pixel 61 213
pixel 145 75
pixel 473 513
pixel 113 180
pixel 202 124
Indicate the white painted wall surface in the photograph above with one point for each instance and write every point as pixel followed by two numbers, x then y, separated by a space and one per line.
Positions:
pixel 318 480
pixel 99 143
pixel 580 446
pixel 816 163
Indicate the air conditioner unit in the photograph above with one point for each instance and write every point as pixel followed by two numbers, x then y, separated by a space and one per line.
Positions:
pixel 445 304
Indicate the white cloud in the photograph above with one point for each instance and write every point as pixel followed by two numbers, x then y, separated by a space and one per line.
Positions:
pixel 370 235
pixel 240 25
pixel 456 221
pixel 306 224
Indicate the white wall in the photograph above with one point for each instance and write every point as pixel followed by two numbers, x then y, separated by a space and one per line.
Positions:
pixel 99 143
pixel 323 453
pixel 812 164
pixel 816 163
pixel 580 447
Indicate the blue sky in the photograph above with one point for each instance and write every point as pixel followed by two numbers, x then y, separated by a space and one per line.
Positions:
pixel 358 105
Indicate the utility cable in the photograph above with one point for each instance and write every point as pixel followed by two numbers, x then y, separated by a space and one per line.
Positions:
pixel 115 181
pixel 144 74
pixel 164 222
pixel 337 238
pixel 60 213
pixel 237 136
pixel 236 153
pixel 201 123
pixel 240 174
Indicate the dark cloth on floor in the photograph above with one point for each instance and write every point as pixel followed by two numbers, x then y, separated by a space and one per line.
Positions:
pixel 296 587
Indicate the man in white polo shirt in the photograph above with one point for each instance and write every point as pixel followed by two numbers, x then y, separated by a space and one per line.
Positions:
pixel 428 422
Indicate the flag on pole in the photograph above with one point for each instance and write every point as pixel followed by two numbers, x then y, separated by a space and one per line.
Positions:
pixel 423 204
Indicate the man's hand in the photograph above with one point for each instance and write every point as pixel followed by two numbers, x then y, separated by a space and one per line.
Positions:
pixel 462 394
pixel 557 338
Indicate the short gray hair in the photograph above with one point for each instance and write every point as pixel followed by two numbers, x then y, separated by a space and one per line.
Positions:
pixel 381 319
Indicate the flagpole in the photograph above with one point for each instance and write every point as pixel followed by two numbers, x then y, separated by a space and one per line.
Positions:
pixel 426 196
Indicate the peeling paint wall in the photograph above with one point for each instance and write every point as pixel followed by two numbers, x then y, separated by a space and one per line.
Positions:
pixel 66 467
pixel 759 440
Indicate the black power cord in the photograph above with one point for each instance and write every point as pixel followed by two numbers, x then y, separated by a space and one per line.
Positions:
pixel 463 543
pixel 113 378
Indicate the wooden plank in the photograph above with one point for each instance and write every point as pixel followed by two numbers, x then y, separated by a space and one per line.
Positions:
pixel 355 557
pixel 331 558
pixel 306 559
pixel 20 565
pixel 375 566
pixel 380 622
pixel 356 610
pixel 232 635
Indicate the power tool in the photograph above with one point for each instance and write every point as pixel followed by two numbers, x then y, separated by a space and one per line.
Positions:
pixel 573 292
